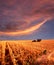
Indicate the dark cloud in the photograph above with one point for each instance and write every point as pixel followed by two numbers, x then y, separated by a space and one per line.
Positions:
pixel 27 7
pixel 46 10
pixel 21 14
pixel 12 26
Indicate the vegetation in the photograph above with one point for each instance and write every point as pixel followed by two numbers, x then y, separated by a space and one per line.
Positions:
pixel 33 40
pixel 24 53
pixel 38 40
pixel 45 51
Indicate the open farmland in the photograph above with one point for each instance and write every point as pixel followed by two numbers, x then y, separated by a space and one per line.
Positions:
pixel 26 52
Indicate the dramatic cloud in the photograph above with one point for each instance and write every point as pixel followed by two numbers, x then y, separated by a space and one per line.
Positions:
pixel 24 16
pixel 12 26
pixel 26 31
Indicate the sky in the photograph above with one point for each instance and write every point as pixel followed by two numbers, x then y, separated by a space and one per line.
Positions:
pixel 26 19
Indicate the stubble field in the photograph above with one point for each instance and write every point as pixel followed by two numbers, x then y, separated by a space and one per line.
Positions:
pixel 26 52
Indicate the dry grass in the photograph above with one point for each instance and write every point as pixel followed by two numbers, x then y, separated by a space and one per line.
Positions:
pixel 26 52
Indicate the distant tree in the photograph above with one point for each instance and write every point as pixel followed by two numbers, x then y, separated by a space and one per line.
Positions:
pixel 33 40
pixel 38 40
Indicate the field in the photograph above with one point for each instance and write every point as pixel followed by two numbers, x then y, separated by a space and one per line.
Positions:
pixel 26 52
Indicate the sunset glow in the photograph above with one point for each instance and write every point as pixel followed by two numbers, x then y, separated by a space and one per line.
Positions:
pixel 27 31
pixel 22 18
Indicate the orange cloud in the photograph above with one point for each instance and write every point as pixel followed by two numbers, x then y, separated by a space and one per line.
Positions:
pixel 18 16
pixel 26 31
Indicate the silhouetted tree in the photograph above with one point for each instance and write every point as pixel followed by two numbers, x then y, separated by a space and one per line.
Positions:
pixel 38 40
pixel 33 40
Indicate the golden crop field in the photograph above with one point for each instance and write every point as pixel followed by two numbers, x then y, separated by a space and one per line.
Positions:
pixel 26 52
